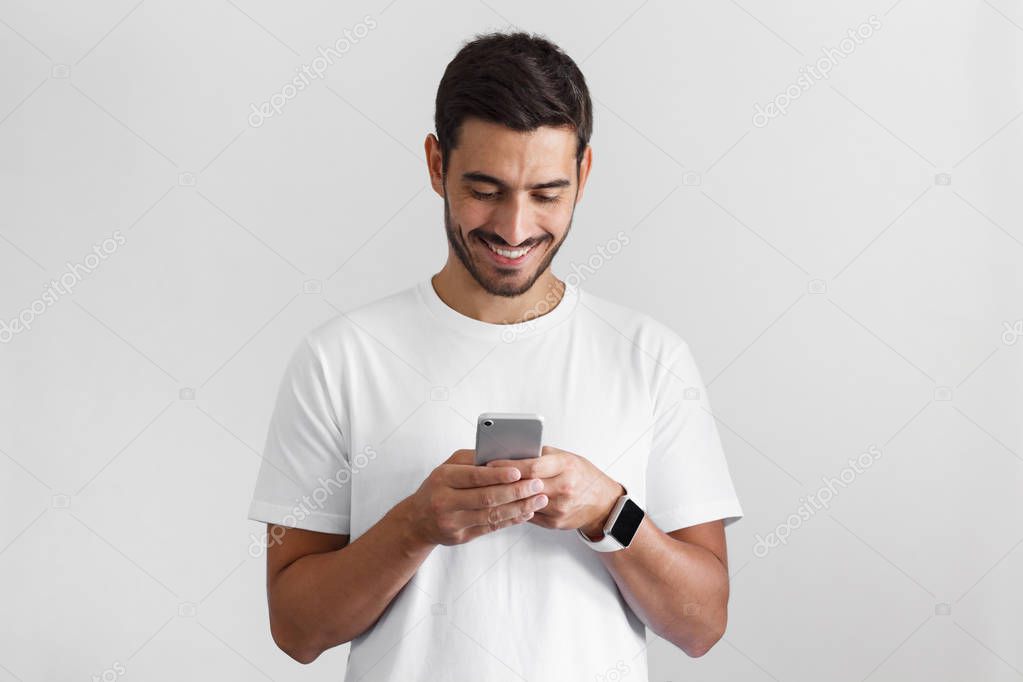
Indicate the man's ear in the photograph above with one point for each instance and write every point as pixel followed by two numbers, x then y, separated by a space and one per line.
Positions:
pixel 434 163
pixel 584 171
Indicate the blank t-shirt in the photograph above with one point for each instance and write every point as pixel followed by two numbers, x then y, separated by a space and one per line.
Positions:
pixel 373 400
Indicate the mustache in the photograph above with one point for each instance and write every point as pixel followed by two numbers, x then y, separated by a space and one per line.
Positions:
pixel 501 243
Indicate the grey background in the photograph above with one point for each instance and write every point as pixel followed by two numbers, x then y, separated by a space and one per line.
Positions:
pixel 847 275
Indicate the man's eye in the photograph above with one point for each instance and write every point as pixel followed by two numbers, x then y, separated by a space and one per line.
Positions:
pixel 490 196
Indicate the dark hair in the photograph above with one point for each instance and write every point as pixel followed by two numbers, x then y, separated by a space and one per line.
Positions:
pixel 519 80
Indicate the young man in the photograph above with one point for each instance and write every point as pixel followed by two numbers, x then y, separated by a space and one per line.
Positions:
pixel 383 532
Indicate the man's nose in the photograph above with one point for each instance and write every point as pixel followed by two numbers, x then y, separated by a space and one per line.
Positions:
pixel 514 220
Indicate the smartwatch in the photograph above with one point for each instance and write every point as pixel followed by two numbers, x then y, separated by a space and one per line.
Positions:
pixel 620 528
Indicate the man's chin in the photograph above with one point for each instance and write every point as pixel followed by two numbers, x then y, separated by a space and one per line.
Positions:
pixel 497 281
pixel 510 286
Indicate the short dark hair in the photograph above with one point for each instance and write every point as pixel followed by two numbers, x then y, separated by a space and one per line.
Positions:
pixel 519 80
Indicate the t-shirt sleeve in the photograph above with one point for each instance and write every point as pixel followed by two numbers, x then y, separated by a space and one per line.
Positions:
pixel 687 478
pixel 304 480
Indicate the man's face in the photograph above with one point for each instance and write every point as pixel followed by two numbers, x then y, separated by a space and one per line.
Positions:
pixel 511 191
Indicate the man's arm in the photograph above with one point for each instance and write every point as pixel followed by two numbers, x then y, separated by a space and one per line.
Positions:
pixel 324 591
pixel 677 583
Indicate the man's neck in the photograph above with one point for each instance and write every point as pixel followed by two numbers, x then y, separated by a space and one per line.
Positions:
pixel 461 292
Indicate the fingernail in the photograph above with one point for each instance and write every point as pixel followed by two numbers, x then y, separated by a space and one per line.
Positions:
pixel 536 486
pixel 541 500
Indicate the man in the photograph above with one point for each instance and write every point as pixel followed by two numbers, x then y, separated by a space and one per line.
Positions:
pixel 382 531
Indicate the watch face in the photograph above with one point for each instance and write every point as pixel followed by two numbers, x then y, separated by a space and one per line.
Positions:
pixel 627 523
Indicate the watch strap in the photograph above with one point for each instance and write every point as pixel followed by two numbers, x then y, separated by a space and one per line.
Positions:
pixel 605 544
pixel 608 543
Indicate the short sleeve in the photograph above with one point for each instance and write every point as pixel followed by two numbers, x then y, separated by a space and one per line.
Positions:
pixel 305 480
pixel 687 477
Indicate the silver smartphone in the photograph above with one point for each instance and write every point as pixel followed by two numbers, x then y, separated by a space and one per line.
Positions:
pixel 508 435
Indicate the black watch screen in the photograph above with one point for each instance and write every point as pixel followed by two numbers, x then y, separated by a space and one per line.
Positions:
pixel 627 523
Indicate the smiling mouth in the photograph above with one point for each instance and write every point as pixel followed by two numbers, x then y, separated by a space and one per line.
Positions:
pixel 509 256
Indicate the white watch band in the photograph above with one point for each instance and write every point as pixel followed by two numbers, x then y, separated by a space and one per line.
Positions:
pixel 606 543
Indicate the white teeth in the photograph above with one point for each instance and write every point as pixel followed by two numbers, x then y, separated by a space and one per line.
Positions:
pixel 513 254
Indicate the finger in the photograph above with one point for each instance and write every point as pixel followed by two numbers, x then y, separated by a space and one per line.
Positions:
pixel 534 467
pixel 496 515
pixel 495 495
pixel 472 476
pixel 539 519
pixel 476 531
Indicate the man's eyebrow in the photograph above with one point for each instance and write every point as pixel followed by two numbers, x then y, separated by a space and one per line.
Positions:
pixel 483 177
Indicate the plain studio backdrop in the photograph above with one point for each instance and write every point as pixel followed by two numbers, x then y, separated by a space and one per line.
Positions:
pixel 823 198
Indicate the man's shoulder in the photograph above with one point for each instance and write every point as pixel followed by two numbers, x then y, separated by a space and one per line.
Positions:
pixel 376 316
pixel 643 329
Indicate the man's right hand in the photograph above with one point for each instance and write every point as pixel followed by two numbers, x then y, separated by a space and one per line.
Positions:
pixel 460 501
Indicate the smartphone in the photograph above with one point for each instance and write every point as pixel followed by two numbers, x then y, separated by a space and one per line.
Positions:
pixel 508 435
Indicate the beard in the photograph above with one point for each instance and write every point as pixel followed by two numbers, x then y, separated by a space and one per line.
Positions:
pixel 506 280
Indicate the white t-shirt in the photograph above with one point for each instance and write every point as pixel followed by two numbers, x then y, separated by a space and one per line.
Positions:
pixel 375 399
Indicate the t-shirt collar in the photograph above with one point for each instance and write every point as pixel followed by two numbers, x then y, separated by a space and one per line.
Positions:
pixel 544 319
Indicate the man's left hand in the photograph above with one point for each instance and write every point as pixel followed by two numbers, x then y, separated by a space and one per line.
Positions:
pixel 579 494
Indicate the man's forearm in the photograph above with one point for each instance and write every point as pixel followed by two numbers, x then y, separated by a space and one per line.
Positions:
pixel 679 589
pixel 323 600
